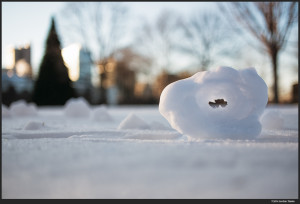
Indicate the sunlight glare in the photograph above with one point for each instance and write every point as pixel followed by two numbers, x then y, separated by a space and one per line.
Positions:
pixel 70 56
pixel 22 68
pixel 10 57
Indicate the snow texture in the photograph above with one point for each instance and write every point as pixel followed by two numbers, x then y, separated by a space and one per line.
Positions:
pixel 155 125
pixel 53 155
pixel 101 114
pixel 190 105
pixel 22 108
pixel 5 112
pixel 34 125
pixel 77 107
pixel 133 122
pixel 272 119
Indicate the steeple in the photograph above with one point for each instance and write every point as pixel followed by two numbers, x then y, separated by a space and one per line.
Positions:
pixel 52 39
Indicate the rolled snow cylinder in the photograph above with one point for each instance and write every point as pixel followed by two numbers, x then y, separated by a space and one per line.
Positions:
pixel 224 103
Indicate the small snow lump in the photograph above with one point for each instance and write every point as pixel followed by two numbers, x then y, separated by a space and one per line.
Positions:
pixel 77 108
pixel 22 108
pixel 33 125
pixel 272 119
pixel 101 114
pixel 133 122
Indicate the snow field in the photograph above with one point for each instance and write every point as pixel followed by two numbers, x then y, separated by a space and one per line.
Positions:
pixel 75 168
pixel 54 155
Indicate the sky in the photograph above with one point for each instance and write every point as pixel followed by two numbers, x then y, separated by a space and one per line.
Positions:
pixel 29 22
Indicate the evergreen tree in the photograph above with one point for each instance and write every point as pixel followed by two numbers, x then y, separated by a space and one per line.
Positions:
pixel 53 85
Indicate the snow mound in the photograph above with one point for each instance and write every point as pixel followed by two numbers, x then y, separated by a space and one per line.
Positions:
pixel 101 114
pixel 133 122
pixel 224 103
pixel 5 112
pixel 272 119
pixel 158 126
pixel 21 108
pixel 77 107
pixel 34 125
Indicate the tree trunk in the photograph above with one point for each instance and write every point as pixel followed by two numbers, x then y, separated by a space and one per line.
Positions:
pixel 274 57
pixel 103 99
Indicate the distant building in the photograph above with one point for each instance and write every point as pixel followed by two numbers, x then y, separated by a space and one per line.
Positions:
pixel 84 83
pixel 18 72
pixel 20 61
pixel 14 87
pixel 20 84
pixel 6 81
pixel 119 81
pixel 79 62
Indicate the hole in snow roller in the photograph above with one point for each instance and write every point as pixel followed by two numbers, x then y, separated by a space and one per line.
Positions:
pixel 217 103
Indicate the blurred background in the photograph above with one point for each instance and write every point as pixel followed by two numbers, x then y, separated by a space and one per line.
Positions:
pixel 126 52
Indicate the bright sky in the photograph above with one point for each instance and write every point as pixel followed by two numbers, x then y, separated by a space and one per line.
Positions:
pixel 28 22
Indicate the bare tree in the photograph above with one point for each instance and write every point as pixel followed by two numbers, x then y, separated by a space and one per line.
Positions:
pixel 98 26
pixel 133 60
pixel 128 64
pixel 270 23
pixel 156 39
pixel 205 38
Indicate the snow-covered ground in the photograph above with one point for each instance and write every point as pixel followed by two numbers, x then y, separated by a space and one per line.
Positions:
pixel 131 152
